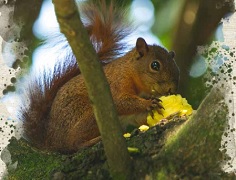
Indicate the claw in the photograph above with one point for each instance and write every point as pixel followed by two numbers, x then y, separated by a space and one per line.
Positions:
pixel 151 114
pixel 159 112
pixel 155 98
pixel 154 101
pixel 156 104
pixel 160 106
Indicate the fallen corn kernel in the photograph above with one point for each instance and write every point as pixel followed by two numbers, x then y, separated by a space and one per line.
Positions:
pixel 143 128
pixel 133 150
pixel 127 135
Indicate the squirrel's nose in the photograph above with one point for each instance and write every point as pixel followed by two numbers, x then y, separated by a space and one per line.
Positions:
pixel 171 91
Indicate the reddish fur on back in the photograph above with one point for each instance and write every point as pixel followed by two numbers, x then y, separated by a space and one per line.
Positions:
pixel 104 25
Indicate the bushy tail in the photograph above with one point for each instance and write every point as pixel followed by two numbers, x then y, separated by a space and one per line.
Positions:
pixel 104 25
pixel 41 92
pixel 107 27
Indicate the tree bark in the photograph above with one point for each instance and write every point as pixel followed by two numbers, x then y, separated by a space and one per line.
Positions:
pixel 194 150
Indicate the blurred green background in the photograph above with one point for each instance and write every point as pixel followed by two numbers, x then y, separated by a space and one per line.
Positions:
pixel 181 26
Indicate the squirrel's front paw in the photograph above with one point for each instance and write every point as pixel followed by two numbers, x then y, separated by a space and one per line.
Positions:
pixel 155 105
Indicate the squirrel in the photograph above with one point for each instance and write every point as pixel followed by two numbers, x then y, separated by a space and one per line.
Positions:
pixel 60 117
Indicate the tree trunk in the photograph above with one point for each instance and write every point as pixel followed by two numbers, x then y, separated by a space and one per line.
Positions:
pixel 97 87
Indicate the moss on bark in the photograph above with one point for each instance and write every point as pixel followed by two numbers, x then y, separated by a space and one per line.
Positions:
pixel 179 149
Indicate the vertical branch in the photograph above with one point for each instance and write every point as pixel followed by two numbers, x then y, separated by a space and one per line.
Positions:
pixel 207 14
pixel 97 87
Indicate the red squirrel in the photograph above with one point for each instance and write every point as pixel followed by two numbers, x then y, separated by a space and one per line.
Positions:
pixel 60 116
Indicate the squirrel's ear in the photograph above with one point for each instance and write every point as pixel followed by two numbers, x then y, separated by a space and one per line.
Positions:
pixel 141 47
pixel 172 54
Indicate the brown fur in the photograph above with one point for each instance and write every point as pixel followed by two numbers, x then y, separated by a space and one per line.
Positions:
pixel 42 90
pixel 72 123
pixel 61 118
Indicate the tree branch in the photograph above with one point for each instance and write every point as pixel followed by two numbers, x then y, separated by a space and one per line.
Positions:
pixel 194 150
pixel 97 87
pixel 188 36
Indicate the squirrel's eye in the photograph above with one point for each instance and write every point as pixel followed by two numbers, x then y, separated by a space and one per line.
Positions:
pixel 155 65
